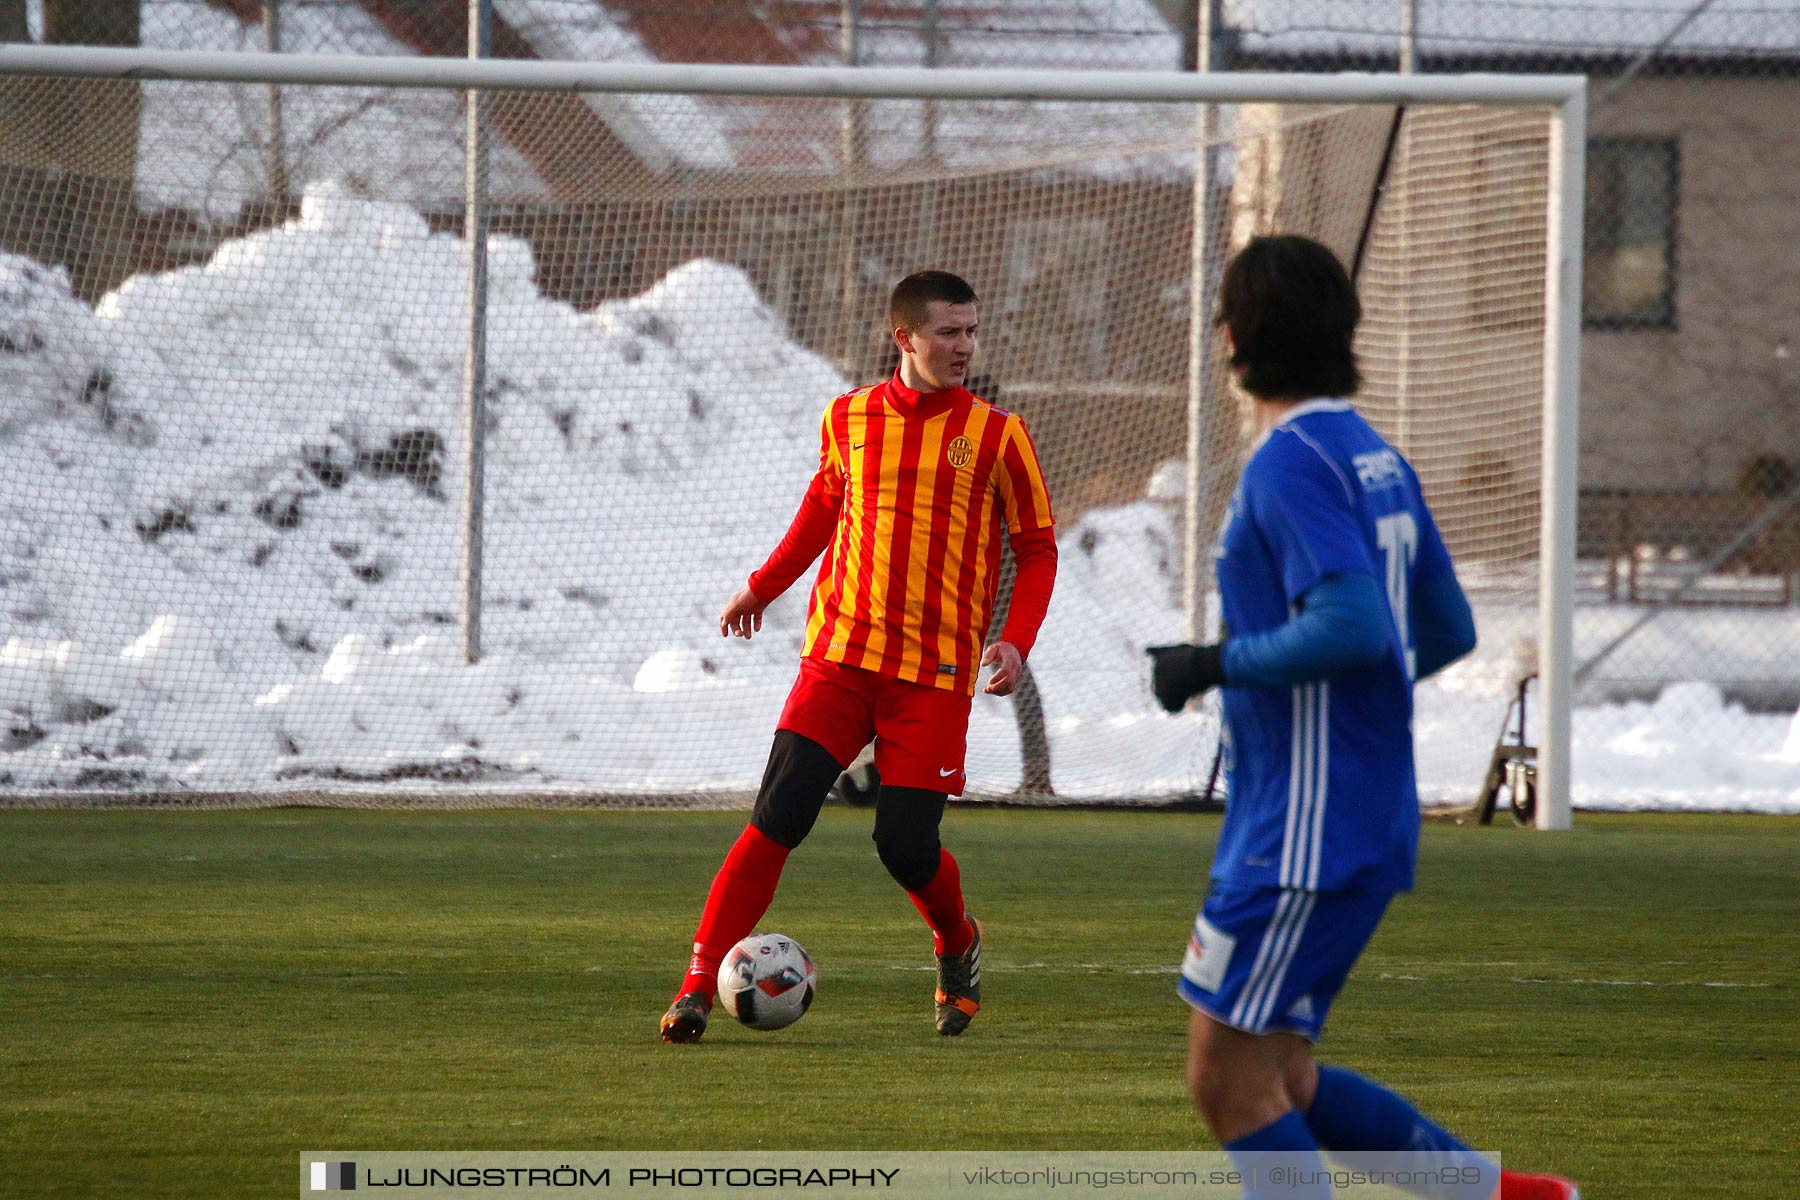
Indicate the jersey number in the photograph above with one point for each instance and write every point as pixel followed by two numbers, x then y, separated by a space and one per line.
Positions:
pixel 1398 535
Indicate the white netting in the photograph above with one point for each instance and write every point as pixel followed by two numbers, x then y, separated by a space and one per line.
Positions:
pixel 232 448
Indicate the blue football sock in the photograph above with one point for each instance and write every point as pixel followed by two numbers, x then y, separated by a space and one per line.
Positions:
pixel 1281 1160
pixel 1366 1126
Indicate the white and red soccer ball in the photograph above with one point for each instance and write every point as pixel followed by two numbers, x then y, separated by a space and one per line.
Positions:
pixel 766 981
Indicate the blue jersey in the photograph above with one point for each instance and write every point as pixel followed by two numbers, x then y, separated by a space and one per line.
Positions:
pixel 1322 793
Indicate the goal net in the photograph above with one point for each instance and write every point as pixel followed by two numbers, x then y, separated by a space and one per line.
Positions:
pixel 233 429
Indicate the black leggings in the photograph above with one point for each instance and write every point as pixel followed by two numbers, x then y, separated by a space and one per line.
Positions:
pixel 801 772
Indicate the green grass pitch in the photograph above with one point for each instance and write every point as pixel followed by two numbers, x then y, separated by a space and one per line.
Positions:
pixel 192 998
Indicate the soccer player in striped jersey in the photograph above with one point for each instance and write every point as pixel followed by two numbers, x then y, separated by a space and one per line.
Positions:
pixel 918 481
pixel 1337 592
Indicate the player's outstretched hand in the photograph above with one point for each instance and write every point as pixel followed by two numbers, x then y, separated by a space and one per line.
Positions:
pixel 1180 672
pixel 743 616
pixel 1008 664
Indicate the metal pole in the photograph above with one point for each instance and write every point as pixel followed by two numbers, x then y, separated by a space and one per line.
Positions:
pixel 849 320
pixel 475 227
pixel 1409 63
pixel 712 79
pixel 275 157
pixel 1562 401
pixel 928 210
pixel 850 50
pixel 931 62
pixel 1196 544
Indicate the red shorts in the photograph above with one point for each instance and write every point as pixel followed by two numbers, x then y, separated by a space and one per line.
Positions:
pixel 921 733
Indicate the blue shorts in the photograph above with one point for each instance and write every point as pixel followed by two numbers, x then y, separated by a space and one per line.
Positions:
pixel 1271 960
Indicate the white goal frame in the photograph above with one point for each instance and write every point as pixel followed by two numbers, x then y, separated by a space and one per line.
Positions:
pixel 1565 97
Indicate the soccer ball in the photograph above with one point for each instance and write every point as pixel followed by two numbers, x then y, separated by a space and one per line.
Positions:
pixel 766 981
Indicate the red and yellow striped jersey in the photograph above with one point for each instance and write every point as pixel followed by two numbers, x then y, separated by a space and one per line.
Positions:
pixel 923 486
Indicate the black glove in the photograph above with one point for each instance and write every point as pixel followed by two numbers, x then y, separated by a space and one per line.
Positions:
pixel 1179 673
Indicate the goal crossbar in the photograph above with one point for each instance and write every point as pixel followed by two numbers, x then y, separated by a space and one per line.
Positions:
pixel 349 70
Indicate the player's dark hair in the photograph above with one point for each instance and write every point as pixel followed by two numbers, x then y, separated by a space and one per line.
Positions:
pixel 913 295
pixel 1292 312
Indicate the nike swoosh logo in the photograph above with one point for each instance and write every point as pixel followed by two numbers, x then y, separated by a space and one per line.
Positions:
pixel 944 774
pixel 858 445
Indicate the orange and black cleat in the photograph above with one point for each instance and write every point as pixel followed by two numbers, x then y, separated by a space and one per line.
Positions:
pixel 959 986
pixel 686 1019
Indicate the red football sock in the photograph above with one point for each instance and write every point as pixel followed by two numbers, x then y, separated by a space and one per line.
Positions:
pixel 940 902
pixel 740 895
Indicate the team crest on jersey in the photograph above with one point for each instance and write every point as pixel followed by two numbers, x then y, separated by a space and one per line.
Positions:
pixel 960 451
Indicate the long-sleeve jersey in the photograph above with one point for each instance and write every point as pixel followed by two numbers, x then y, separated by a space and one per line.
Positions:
pixel 1342 624
pixel 1322 789
pixel 907 506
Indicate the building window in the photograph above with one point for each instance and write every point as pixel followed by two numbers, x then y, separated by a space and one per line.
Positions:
pixel 1628 273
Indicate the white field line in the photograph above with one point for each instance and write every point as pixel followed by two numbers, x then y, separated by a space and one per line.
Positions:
pixel 1712 983
pixel 1098 968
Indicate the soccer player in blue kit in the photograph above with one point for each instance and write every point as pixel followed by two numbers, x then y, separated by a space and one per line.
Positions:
pixel 1337 593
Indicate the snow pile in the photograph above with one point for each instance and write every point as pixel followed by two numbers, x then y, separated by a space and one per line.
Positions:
pixel 231 515
pixel 1690 742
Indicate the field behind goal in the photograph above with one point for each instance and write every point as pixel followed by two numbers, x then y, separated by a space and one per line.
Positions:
pixel 297 521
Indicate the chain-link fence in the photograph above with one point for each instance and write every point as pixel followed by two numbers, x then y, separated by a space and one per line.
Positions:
pixel 1689 526
pixel 1689 630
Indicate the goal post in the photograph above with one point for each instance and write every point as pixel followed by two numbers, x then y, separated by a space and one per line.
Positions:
pixel 1561 446
pixel 674 208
